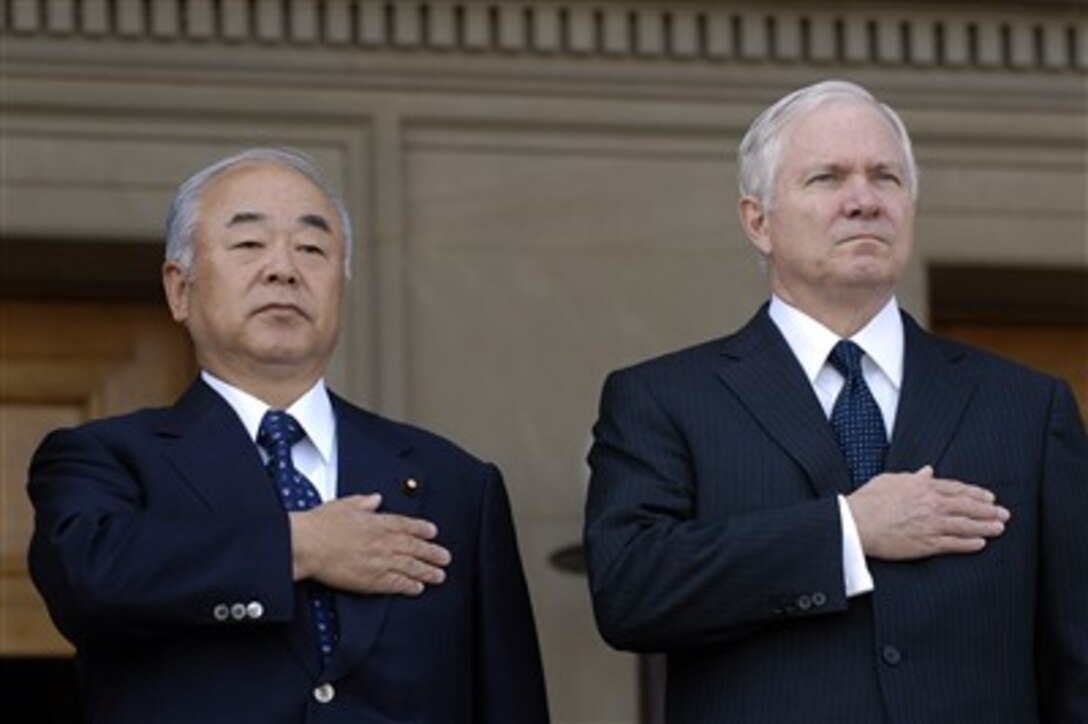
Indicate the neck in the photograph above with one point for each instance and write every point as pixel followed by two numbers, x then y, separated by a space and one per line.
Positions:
pixel 278 391
pixel 277 396
pixel 844 315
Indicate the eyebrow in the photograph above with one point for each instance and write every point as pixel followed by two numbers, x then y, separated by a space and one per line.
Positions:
pixel 316 221
pixel 891 166
pixel 245 217
pixel 838 167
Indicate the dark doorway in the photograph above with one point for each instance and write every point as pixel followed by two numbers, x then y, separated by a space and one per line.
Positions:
pixel 1037 316
pixel 55 295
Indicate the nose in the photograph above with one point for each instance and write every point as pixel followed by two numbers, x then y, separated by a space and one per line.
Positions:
pixel 280 267
pixel 862 201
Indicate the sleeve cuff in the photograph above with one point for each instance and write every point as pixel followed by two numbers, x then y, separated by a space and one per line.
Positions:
pixel 858 580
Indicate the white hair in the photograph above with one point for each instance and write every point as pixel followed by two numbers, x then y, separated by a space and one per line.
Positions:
pixel 761 146
pixel 181 220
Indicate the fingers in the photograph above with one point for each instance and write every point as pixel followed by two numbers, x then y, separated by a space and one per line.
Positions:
pixel 421 561
pixel 956 544
pixel 973 508
pixel 365 503
pixel 427 553
pixel 367 551
pixel 416 570
pixel 397 574
pixel 963 527
pixel 393 523
pixel 411 527
pixel 905 516
pixel 401 585
pixel 967 514
pixel 417 560
pixel 956 489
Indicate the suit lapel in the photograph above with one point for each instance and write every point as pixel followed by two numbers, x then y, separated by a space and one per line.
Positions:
pixel 760 369
pixel 209 447
pixel 937 386
pixel 214 455
pixel 371 460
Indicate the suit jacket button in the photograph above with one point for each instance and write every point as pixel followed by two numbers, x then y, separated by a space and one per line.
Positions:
pixel 325 693
pixel 254 609
pixel 221 612
pixel 804 602
pixel 411 487
pixel 238 611
pixel 819 599
pixel 891 655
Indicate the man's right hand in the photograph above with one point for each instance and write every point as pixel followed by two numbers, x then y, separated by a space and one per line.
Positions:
pixel 903 516
pixel 347 544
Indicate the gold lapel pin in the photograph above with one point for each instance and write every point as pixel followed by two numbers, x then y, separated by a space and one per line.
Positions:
pixel 411 487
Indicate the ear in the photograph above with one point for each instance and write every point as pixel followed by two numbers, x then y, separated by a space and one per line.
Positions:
pixel 754 219
pixel 176 284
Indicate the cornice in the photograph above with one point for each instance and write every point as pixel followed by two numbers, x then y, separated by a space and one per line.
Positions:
pixel 1049 38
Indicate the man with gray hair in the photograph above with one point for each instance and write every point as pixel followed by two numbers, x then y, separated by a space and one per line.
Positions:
pixel 832 516
pixel 265 551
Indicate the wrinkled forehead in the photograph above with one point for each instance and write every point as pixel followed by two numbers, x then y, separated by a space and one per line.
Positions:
pixel 843 127
pixel 269 192
pixel 258 179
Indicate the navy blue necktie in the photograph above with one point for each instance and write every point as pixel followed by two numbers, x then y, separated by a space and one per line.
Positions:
pixel 856 418
pixel 278 433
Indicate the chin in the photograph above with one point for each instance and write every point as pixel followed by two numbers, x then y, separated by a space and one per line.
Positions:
pixel 868 276
pixel 283 354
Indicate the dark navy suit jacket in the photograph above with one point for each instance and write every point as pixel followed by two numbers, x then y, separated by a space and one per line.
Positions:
pixel 149 523
pixel 713 534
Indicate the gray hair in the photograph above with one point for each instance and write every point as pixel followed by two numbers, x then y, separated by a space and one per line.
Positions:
pixel 762 145
pixel 181 220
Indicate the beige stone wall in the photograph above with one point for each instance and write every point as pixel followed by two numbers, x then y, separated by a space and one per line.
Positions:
pixel 543 190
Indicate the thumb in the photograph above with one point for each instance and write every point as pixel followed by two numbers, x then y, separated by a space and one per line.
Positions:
pixel 370 502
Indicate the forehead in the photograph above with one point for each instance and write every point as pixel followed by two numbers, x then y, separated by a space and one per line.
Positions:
pixel 842 131
pixel 253 181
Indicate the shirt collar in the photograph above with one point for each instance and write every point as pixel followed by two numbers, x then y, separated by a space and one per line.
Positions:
pixel 811 342
pixel 313 411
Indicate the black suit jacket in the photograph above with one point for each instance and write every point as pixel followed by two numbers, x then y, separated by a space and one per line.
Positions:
pixel 713 534
pixel 147 524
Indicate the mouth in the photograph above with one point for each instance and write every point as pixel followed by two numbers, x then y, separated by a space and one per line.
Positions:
pixel 281 309
pixel 864 236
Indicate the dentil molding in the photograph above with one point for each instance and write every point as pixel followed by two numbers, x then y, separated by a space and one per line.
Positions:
pixel 1050 38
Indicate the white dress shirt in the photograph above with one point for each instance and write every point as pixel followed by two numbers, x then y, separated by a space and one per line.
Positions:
pixel 882 366
pixel 315 454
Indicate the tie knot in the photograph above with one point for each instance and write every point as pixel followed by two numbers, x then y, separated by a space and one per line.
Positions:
pixel 278 428
pixel 846 358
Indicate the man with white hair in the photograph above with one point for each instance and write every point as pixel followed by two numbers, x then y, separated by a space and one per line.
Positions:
pixel 264 551
pixel 832 516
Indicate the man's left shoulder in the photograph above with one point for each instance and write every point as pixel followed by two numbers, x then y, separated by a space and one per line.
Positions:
pixel 413 438
pixel 992 363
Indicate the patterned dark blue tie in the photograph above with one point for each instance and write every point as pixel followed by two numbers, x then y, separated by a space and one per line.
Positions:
pixel 856 418
pixel 278 433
